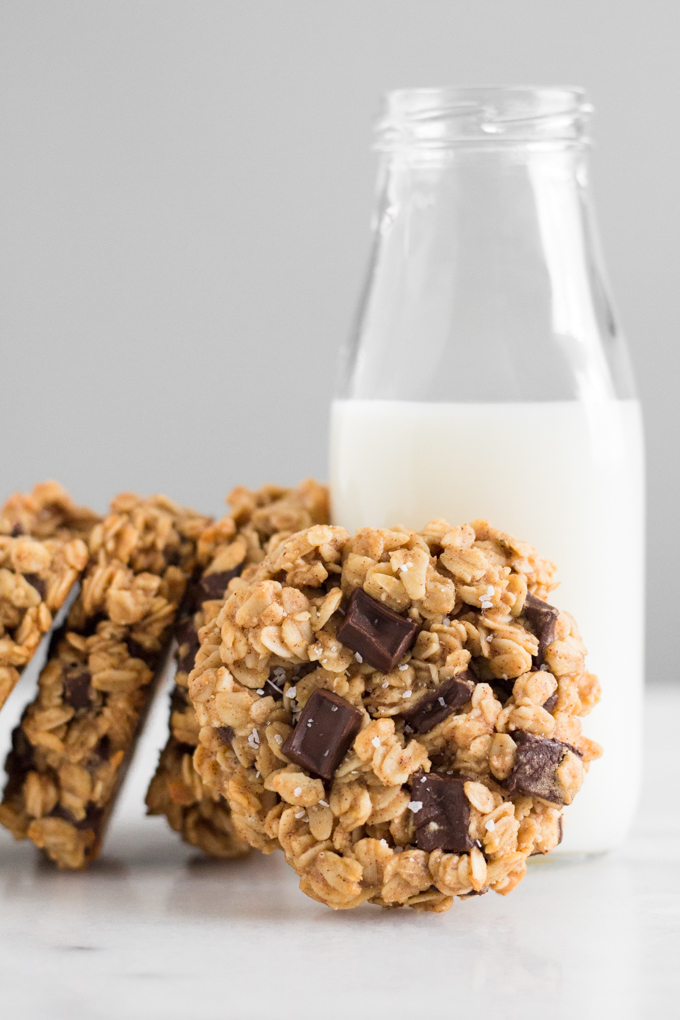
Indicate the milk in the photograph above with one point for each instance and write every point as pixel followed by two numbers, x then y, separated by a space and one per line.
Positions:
pixel 567 477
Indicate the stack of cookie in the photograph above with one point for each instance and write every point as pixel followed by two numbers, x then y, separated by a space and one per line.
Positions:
pixel 398 711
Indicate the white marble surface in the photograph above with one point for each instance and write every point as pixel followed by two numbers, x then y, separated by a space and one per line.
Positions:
pixel 155 931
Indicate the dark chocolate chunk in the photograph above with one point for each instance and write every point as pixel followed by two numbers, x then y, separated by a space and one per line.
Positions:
pixel 550 703
pixel 179 700
pixel 91 821
pixel 16 531
pixel 102 751
pixel 325 731
pixel 37 582
pixel 189 644
pixel 77 686
pixel 436 705
pixel 272 691
pixel 536 763
pixel 147 655
pixel 378 634
pixel 441 812
pixel 213 586
pixel 543 619
pixel 225 733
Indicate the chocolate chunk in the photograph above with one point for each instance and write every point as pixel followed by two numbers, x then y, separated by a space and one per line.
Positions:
pixel 536 764
pixel 325 731
pixel 91 821
pixel 550 703
pixel 147 655
pixel 213 586
pixel 225 733
pixel 436 705
pixel 188 646
pixel 77 686
pixel 377 633
pixel 16 531
pixel 543 619
pixel 443 817
pixel 102 751
pixel 272 691
pixel 179 701
pixel 36 581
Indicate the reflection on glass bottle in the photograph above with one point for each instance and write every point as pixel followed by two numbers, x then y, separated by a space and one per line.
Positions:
pixel 487 378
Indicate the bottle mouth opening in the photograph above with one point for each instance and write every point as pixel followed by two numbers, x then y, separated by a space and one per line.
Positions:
pixel 439 118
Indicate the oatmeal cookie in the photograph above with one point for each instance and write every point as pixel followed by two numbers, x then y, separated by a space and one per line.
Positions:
pixel 227 551
pixel 74 742
pixel 42 555
pixel 398 711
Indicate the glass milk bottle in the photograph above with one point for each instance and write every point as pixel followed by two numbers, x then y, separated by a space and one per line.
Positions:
pixel 487 378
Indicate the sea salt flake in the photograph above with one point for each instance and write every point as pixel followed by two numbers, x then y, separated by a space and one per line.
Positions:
pixel 407 694
pixel 278 738
pixel 260 691
pixel 405 666
pixel 490 825
pixel 323 803
pixel 441 702
pixel 300 814
pixel 334 708
pixel 291 692
pixel 358 657
pixel 297 791
pixel 415 805
pixel 376 741
pixel 385 684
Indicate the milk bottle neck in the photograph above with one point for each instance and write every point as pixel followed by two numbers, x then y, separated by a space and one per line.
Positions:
pixel 485 281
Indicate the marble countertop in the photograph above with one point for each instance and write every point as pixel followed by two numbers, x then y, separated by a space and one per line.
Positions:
pixel 154 930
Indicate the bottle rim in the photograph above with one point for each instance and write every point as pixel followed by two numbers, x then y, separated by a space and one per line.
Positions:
pixel 439 118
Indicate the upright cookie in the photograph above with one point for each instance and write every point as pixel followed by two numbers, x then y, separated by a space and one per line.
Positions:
pixel 397 710
pixel 74 742
pixel 227 551
pixel 42 554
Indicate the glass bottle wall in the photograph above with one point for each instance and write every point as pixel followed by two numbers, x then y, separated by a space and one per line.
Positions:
pixel 486 377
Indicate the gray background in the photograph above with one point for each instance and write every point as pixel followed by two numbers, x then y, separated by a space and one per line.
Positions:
pixel 185 192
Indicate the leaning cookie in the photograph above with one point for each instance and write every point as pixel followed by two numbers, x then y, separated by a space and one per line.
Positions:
pixel 398 711
pixel 42 554
pixel 74 742
pixel 227 550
